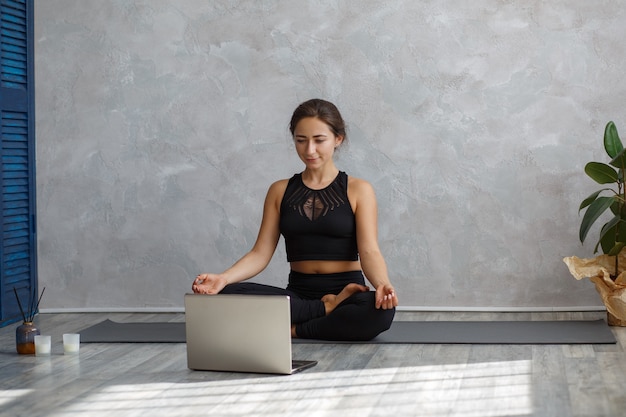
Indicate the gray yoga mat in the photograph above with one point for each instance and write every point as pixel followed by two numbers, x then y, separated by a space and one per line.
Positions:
pixel 408 332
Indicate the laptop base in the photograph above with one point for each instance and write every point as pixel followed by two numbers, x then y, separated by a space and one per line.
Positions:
pixel 299 365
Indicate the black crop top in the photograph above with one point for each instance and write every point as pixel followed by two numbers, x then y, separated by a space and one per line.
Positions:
pixel 318 224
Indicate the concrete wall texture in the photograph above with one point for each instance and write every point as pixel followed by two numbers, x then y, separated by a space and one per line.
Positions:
pixel 161 124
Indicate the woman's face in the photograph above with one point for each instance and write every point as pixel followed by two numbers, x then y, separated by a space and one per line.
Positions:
pixel 315 142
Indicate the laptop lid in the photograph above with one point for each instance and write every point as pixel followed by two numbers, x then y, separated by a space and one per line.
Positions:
pixel 239 333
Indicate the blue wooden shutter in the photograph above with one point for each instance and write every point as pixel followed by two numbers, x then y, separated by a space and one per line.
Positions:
pixel 18 263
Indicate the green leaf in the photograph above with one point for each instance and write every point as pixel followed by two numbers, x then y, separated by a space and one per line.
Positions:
pixel 601 173
pixel 612 143
pixel 594 211
pixel 616 207
pixel 609 225
pixel 620 160
pixel 608 235
pixel 622 231
pixel 616 249
pixel 589 200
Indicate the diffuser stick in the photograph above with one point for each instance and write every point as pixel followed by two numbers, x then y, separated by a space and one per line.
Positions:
pixel 38 301
pixel 19 303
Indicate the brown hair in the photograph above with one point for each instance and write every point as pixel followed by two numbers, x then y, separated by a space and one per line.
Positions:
pixel 324 110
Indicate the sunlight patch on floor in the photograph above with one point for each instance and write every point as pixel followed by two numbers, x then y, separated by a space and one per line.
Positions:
pixel 10 395
pixel 490 389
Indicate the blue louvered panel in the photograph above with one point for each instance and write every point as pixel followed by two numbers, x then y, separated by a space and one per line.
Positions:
pixel 16 217
pixel 15 198
pixel 13 53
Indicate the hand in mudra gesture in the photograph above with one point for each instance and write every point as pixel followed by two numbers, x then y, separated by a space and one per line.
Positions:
pixel 208 284
pixel 386 297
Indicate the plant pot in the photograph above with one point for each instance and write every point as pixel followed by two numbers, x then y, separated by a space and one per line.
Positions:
pixel 614 321
pixel 25 338
pixel 613 292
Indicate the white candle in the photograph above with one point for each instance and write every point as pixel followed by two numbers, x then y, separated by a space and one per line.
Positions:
pixel 71 343
pixel 43 345
pixel 71 348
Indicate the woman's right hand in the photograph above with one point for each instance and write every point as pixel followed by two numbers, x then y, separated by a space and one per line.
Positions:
pixel 208 284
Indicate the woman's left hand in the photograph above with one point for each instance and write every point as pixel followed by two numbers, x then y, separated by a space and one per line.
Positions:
pixel 386 297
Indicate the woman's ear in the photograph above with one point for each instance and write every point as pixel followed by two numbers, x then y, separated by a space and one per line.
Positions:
pixel 338 141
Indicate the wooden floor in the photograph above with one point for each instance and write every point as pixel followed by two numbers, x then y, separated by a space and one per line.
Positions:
pixel 350 380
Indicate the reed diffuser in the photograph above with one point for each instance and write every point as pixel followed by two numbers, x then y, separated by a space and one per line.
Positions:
pixel 26 332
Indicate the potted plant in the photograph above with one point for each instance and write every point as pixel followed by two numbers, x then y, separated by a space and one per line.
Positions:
pixel 607 270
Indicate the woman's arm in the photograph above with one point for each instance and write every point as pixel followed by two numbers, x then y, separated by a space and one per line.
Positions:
pixel 261 253
pixel 365 207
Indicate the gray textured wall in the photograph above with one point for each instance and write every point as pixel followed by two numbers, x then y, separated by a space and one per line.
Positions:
pixel 161 123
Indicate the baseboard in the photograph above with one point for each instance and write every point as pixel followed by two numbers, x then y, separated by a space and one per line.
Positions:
pixel 501 309
pixel 69 310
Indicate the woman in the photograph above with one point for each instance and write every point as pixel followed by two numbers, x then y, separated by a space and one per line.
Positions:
pixel 329 223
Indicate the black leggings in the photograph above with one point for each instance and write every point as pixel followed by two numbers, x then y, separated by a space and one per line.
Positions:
pixel 355 319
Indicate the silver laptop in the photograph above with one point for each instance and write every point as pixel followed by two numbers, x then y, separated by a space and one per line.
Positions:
pixel 240 333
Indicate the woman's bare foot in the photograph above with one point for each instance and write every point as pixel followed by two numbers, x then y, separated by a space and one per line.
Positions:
pixel 331 301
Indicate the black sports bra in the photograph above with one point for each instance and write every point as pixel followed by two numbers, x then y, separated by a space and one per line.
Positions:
pixel 318 224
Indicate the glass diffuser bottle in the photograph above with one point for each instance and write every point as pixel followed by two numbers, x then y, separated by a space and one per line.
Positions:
pixel 25 338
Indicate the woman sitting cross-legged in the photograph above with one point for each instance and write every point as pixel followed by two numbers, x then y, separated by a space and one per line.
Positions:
pixel 329 223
